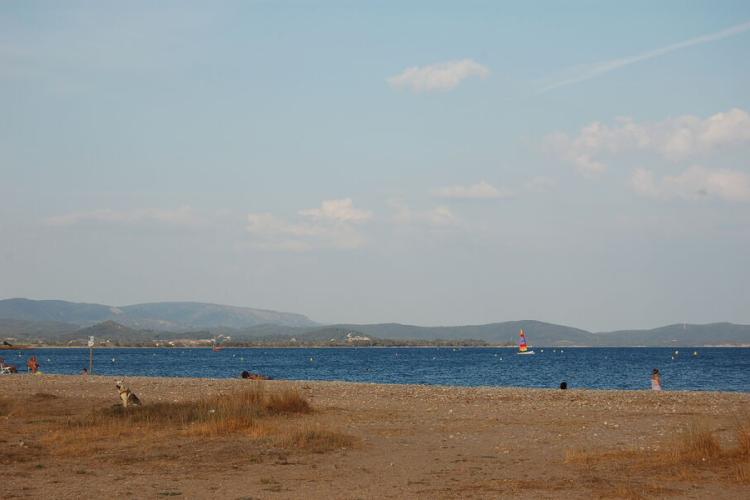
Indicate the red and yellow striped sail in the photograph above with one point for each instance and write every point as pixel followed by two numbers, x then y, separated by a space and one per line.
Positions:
pixel 522 346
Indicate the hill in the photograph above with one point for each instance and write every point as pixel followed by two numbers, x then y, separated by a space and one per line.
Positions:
pixel 163 316
pixel 502 333
pixel 679 335
pixel 61 322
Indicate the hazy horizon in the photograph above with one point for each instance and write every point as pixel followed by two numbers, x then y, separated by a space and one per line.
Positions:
pixel 429 163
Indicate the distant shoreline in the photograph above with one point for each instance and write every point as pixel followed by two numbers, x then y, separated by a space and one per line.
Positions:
pixel 395 346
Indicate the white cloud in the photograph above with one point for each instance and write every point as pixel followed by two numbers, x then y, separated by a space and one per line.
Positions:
pixel 694 183
pixel 339 210
pixel 183 215
pixel 480 190
pixel 587 72
pixel 437 217
pixel 675 138
pixel 332 225
pixel 440 76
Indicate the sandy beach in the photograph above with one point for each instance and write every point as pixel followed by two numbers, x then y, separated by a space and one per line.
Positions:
pixel 403 441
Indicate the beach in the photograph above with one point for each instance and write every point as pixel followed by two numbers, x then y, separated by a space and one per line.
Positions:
pixel 397 441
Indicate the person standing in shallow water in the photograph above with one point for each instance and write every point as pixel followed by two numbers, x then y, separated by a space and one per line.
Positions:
pixel 655 380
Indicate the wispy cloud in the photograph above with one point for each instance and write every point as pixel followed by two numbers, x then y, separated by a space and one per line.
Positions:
pixel 438 77
pixel 694 183
pixel 480 190
pixel 332 225
pixel 338 210
pixel 437 217
pixel 588 72
pixel 674 138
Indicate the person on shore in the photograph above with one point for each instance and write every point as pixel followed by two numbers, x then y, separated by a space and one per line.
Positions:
pixel 563 385
pixel 245 374
pixel 655 380
pixel 33 364
pixel 85 371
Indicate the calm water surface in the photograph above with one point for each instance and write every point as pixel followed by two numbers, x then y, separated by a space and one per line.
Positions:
pixel 722 369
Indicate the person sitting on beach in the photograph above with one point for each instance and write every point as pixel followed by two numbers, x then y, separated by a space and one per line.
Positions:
pixel 563 385
pixel 655 380
pixel 245 374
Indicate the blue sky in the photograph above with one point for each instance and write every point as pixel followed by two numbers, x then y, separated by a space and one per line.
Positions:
pixel 432 163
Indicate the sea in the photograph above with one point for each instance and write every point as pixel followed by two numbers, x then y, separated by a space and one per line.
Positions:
pixel 691 369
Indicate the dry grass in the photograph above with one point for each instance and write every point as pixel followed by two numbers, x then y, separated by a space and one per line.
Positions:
pixel 252 414
pixel 682 458
pixel 5 406
pixel 697 445
pixel 742 473
pixel 218 415
pixel 743 439
pixel 317 440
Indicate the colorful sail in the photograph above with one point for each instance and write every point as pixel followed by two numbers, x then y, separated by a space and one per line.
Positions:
pixel 522 346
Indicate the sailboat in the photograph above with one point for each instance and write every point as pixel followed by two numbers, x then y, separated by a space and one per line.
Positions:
pixel 523 347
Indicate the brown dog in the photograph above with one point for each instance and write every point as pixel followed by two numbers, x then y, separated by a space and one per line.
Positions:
pixel 127 396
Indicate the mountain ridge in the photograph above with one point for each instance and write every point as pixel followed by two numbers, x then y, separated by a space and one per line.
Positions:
pixel 167 316
pixel 59 321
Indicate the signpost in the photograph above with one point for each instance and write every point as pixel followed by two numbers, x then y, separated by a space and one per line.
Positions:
pixel 91 355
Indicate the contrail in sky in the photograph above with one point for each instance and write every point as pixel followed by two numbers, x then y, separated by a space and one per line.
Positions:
pixel 600 68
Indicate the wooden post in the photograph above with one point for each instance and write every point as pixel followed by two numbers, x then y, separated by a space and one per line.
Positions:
pixel 91 355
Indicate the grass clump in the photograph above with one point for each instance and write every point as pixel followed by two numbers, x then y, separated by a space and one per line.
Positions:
pixel 253 413
pixel 683 457
pixel 318 440
pixel 5 406
pixel 213 415
pixel 743 439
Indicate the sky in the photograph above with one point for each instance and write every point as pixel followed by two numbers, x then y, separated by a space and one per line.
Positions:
pixel 432 163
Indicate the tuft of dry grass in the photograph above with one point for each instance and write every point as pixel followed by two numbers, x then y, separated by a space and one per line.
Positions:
pixel 743 439
pixel 222 414
pixel 250 412
pixel 5 406
pixel 698 445
pixel 683 457
pixel 289 401
pixel 742 473
pixel 317 440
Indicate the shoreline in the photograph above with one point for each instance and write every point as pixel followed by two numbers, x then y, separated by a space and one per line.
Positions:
pixel 74 376
pixel 208 347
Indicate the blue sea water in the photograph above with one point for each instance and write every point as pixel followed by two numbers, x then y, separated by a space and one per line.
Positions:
pixel 714 369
